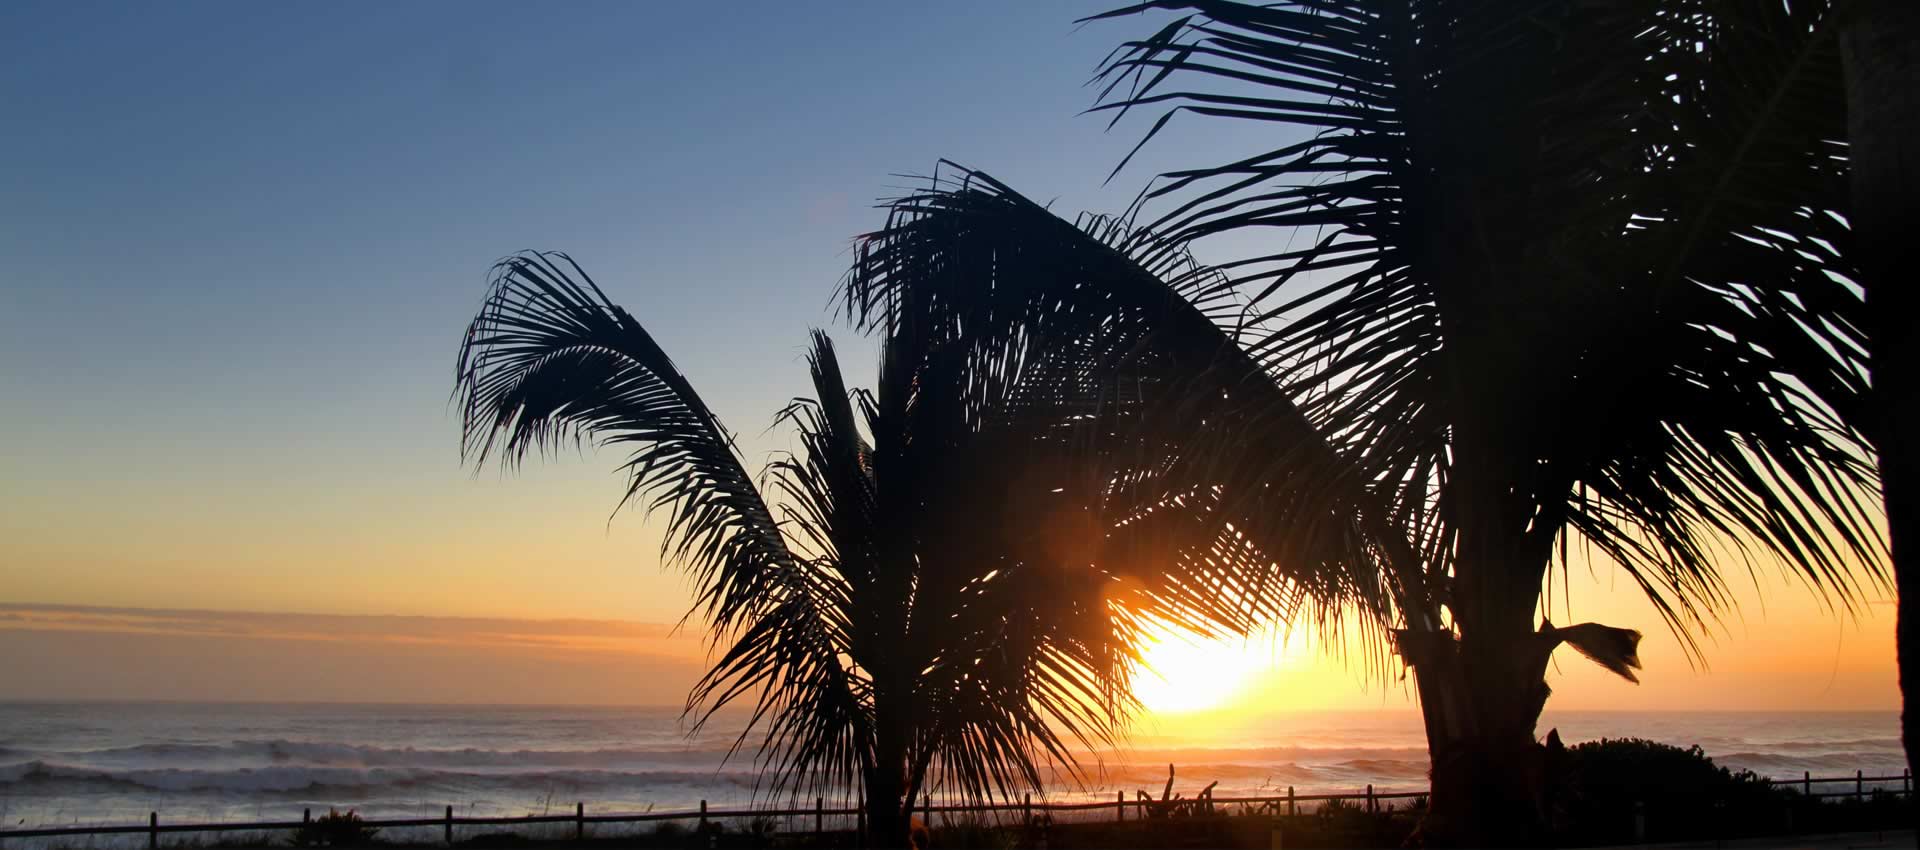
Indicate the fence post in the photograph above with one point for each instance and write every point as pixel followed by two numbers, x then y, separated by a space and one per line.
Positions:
pixel 1370 808
pixel 306 816
pixel 153 830
pixel 579 821
pixel 1806 776
pixel 819 816
pixel 1859 785
pixel 703 816
pixel 1120 807
pixel 1291 810
pixel 449 826
pixel 1026 807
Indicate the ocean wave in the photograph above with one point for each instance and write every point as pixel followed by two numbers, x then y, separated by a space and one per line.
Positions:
pixel 317 768
pixel 278 753
pixel 56 777
pixel 1256 773
pixel 1777 764
pixel 1889 744
pixel 275 752
pixel 276 766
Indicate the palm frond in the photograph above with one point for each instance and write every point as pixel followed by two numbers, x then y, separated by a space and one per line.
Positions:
pixel 1603 299
pixel 1616 649
pixel 1010 639
pixel 1121 345
pixel 550 360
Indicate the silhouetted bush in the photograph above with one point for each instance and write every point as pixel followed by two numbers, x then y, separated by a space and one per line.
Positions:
pixel 1680 791
pixel 497 840
pixel 335 829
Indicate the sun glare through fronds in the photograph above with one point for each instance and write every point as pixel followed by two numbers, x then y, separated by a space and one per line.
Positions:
pixel 1186 673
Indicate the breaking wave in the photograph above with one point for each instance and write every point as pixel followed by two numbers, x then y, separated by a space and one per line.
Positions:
pixel 311 780
pixel 310 768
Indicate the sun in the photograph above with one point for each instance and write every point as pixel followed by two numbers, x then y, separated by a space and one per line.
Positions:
pixel 1186 673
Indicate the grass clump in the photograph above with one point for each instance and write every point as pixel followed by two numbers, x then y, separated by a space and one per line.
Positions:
pixel 335 829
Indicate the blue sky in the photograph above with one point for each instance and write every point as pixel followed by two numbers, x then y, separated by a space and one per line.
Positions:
pixel 254 198
pixel 242 242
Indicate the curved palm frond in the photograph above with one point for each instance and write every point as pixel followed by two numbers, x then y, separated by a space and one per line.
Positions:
pixel 549 360
pixel 1013 643
pixel 1114 344
pixel 815 695
pixel 1745 371
pixel 1603 299
pixel 883 629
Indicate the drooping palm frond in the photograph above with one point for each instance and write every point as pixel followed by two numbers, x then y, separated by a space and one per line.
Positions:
pixel 883 621
pixel 805 664
pixel 1599 299
pixel 1124 346
pixel 549 359
pixel 1616 649
pixel 1737 347
pixel 1011 636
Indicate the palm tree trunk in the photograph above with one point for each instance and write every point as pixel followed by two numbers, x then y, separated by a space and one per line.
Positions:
pixel 1481 701
pixel 1880 44
pixel 889 826
pixel 1482 692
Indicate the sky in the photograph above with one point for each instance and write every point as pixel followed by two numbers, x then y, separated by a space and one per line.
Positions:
pixel 242 242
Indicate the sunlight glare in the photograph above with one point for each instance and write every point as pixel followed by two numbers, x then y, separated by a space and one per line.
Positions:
pixel 1187 673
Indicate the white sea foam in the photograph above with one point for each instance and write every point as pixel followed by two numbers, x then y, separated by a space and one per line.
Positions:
pixel 105 762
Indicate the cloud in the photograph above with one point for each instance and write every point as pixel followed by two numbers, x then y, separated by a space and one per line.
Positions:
pixel 614 636
pixel 86 652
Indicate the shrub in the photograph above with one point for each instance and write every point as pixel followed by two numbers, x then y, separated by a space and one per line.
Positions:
pixel 763 826
pixel 972 831
pixel 335 829
pixel 1682 793
pixel 492 840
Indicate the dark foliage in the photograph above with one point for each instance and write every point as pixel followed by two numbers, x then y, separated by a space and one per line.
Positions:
pixel 1532 285
pixel 1547 273
pixel 1680 791
pixel 335 829
pixel 1125 344
pixel 906 600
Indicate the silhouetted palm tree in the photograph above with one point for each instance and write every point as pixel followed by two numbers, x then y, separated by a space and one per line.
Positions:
pixel 1562 277
pixel 1881 46
pixel 909 600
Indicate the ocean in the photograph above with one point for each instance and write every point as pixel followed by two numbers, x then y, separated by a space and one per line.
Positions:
pixel 101 763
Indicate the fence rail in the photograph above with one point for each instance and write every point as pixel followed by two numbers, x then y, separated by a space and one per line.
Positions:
pixel 1142 807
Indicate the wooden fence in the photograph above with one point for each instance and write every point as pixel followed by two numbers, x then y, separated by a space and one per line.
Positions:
pixel 1287 804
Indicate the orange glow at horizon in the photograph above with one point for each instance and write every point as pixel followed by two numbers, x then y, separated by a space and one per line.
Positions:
pixel 540 548
pixel 1186 673
pixel 1782 650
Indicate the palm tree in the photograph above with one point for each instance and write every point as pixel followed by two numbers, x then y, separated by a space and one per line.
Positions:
pixel 908 601
pixel 1568 277
pixel 1878 39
